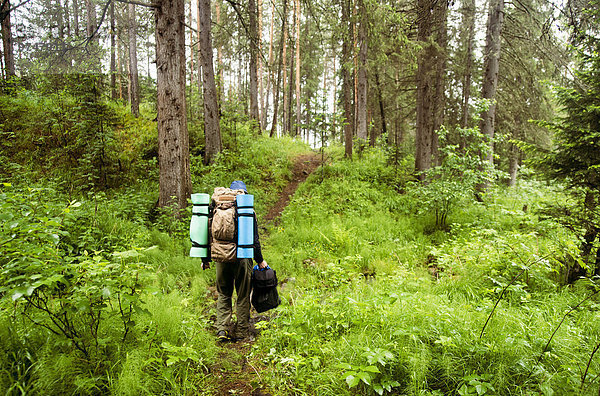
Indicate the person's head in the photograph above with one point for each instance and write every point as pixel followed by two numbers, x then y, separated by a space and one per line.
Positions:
pixel 238 185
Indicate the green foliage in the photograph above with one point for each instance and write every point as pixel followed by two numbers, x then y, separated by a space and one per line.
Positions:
pixel 371 302
pixel 371 374
pixel 575 157
pixel 66 128
pixel 463 169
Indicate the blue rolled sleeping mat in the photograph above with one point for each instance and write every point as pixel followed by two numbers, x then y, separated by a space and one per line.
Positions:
pixel 199 225
pixel 245 212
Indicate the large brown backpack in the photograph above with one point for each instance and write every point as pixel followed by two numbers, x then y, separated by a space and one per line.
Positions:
pixel 223 226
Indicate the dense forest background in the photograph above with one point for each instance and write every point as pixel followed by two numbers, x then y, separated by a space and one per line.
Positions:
pixel 448 244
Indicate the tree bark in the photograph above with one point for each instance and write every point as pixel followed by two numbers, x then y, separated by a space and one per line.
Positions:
pixel 287 108
pixel 298 66
pixel 491 66
pixel 113 44
pixel 93 36
pixel 91 17
pixel 60 21
pixel 173 141
pixel 281 66
pixel 133 62
pixel 285 84
pixel 220 72
pixel 7 41
pixel 261 87
pixel 67 18
pixel 441 40
pixel 212 129
pixel 468 24
pixel 191 23
pixel 513 166
pixel 381 106
pixel 269 71
pixel 361 99
pixel 119 65
pixel 431 31
pixel 75 18
pixel 253 30
pixel 347 84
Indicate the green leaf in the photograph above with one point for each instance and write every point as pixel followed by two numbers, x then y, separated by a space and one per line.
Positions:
pixel 370 369
pixel 480 389
pixel 364 377
pixel 378 388
pixel 17 294
pixel 352 381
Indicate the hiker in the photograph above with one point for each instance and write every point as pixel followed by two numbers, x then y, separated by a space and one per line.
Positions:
pixel 235 274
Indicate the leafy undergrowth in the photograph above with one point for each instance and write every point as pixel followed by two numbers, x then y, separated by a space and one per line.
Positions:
pixel 97 292
pixel 99 296
pixel 376 300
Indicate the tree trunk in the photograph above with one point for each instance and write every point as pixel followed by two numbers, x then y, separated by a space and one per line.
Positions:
pixel 491 58
pixel 212 129
pixel 113 44
pixel 281 66
pixel 173 141
pixel 441 40
pixel 261 87
pixel 119 66
pixel 91 18
pixel 60 21
pixel 269 71
pixel 93 36
pixel 298 66
pixel 133 63
pixel 347 84
pixel 381 107
pixel 468 23
pixel 513 166
pixel 67 18
pixel 7 40
pixel 75 18
pixel 430 81
pixel 253 30
pixel 191 23
pixel 287 109
pixel 285 84
pixel 333 119
pixel 220 69
pixel 361 99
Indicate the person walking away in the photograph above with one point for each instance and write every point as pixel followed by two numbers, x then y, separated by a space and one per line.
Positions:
pixel 234 274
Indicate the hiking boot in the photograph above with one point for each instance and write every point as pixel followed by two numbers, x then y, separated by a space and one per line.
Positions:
pixel 222 335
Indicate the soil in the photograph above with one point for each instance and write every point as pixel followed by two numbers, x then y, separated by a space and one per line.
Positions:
pixel 234 374
pixel 304 165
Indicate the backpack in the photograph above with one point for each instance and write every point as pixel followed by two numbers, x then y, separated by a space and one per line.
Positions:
pixel 264 289
pixel 223 225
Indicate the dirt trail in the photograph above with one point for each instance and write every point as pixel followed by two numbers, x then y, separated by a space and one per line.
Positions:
pixel 304 165
pixel 234 373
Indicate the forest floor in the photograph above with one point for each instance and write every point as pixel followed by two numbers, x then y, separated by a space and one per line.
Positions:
pixel 234 374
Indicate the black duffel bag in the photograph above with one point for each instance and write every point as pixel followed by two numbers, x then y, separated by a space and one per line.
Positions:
pixel 264 289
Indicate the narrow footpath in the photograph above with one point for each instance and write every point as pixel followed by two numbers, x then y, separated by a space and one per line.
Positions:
pixel 234 374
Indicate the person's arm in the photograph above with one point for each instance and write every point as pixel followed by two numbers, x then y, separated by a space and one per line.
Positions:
pixel 258 257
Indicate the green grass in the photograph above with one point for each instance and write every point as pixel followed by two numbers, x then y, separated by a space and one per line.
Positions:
pixel 371 290
pixel 365 273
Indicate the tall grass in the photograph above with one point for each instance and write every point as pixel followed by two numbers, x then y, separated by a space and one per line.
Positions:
pixel 365 277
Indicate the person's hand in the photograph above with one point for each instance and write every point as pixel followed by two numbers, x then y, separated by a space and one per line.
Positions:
pixel 205 265
pixel 263 265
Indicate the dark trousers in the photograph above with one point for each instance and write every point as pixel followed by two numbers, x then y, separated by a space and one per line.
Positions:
pixel 229 276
